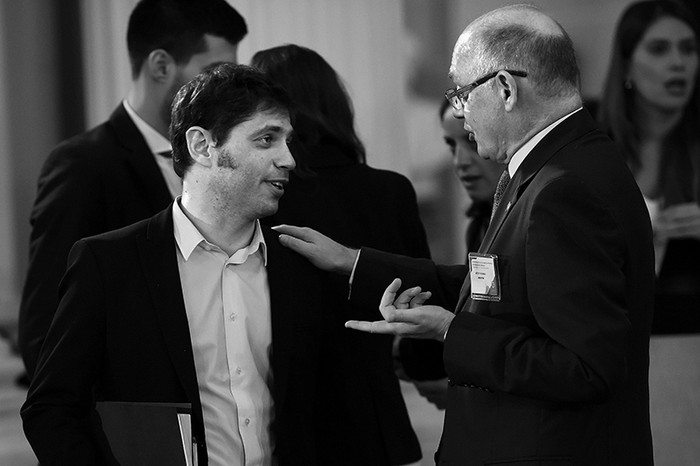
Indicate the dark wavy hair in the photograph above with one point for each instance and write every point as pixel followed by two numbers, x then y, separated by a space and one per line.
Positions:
pixel 323 109
pixel 178 27
pixel 218 99
pixel 616 110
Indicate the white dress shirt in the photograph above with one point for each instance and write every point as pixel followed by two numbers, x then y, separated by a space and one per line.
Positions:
pixel 157 143
pixel 227 301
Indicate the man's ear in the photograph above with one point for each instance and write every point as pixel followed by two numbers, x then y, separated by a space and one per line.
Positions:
pixel 507 90
pixel 198 143
pixel 159 65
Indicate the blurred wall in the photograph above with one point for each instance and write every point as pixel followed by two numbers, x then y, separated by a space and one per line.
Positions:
pixel 8 255
pixel 29 127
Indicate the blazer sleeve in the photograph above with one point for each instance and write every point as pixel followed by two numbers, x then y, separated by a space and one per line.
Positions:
pixel 59 410
pixel 411 227
pixel 568 338
pixel 376 269
pixel 69 206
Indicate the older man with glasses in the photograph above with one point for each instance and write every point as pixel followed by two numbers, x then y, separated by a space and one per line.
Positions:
pixel 546 331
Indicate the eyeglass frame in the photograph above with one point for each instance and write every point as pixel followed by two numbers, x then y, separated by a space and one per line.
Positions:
pixel 455 96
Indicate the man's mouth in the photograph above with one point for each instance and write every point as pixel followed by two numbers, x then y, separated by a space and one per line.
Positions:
pixel 278 184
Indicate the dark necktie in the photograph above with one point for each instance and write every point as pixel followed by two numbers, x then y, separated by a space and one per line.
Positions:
pixel 500 189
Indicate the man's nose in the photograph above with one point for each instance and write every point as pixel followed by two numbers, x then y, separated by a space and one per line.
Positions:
pixel 285 159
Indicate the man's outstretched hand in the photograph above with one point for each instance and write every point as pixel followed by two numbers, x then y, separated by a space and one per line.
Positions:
pixel 406 315
pixel 319 249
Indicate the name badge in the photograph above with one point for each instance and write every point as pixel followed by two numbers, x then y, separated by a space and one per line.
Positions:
pixel 483 274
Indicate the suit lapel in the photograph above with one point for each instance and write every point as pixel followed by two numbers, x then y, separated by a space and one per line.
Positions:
pixel 158 257
pixel 574 127
pixel 568 130
pixel 283 335
pixel 140 160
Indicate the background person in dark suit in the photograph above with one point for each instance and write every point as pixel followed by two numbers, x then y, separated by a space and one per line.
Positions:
pixel 200 304
pixel 112 175
pixel 337 193
pixel 551 364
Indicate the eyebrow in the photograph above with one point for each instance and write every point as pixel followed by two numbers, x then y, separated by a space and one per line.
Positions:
pixel 270 128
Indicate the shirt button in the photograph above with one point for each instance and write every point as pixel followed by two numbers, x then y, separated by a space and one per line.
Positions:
pixel 247 421
pixel 238 370
pixel 232 316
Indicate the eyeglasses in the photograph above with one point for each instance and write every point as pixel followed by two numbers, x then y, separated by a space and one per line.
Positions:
pixel 458 96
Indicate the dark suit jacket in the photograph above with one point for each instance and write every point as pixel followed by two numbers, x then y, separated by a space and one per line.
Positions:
pixel 557 370
pixel 97 181
pixel 362 206
pixel 121 332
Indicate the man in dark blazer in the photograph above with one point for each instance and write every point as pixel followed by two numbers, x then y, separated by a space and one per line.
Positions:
pixel 113 175
pixel 546 347
pixel 144 316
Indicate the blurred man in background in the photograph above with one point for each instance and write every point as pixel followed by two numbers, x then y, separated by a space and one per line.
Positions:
pixel 120 171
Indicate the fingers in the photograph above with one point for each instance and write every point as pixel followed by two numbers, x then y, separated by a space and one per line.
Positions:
pixel 321 250
pixel 387 301
pixel 680 223
pixel 409 298
pixel 295 244
pixel 404 316
pixel 420 299
pixel 298 232
pixel 379 327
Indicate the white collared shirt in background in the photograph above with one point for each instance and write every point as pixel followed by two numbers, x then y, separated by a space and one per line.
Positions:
pixel 227 300
pixel 156 142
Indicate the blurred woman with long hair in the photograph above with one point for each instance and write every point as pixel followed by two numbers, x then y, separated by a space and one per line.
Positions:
pixel 335 192
pixel 651 108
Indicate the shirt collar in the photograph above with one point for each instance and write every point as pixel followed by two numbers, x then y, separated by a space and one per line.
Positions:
pixel 188 237
pixel 526 148
pixel 155 141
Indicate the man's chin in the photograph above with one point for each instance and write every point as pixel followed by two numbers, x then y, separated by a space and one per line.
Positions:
pixel 269 211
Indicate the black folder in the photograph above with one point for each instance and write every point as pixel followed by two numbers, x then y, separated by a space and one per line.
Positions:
pixel 149 434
